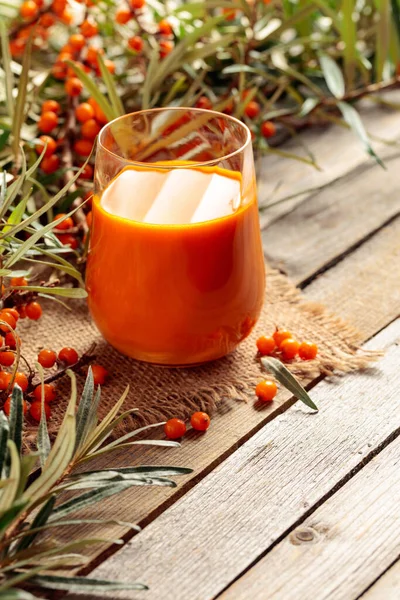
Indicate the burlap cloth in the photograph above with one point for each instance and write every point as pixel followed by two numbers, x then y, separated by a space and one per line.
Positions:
pixel 161 393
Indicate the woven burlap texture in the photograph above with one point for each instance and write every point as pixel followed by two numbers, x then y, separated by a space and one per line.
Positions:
pixel 160 393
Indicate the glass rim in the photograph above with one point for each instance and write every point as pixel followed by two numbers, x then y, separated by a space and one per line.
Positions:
pixel 167 165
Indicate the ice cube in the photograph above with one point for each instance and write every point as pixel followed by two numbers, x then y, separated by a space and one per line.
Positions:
pixel 221 198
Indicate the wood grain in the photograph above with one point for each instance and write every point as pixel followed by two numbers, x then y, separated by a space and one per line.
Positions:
pixel 211 535
pixel 333 221
pixel 387 587
pixel 337 151
pixel 341 548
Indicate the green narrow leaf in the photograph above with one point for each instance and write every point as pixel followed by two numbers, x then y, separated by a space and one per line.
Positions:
pixel 9 492
pixel 285 377
pixel 16 417
pixel 382 38
pixel 93 89
pixel 353 119
pixel 6 61
pixel 156 471
pixel 4 435
pixel 14 189
pixel 39 521
pixel 349 38
pixel 18 212
pixel 56 291
pixel 75 584
pixel 19 114
pixel 9 516
pixel 333 76
pixel 43 438
pixel 87 499
pixel 16 594
pixel 308 105
pixel 396 17
pixel 111 89
pixel 28 461
pixel 82 416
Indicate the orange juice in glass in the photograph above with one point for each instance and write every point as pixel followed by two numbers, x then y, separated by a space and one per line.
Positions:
pixel 175 272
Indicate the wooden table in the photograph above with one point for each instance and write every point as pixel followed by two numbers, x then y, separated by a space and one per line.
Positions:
pixel 284 504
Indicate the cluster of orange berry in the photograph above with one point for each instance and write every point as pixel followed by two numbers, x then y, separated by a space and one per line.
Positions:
pixel 176 428
pixel 283 344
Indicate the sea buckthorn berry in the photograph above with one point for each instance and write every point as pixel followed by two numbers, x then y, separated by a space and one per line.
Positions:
pixel 93 54
pixel 59 70
pixel 252 110
pixel 200 421
pixel 281 334
pixel 90 129
pixel 22 380
pixel 204 102
pixel 100 115
pixel 174 429
pixel 9 319
pixel 47 358
pixel 50 164
pixel 67 16
pixel 10 340
pixel 77 41
pixel 73 86
pixel 68 356
pixel 18 281
pixel 136 43
pixel 308 350
pixel 266 390
pixel 166 46
pixel 7 358
pixel 50 148
pixel 7 406
pixel 122 16
pixel 48 121
pixel 289 348
pixel 58 6
pixel 229 14
pixel 109 65
pixel 164 27
pixel 47 20
pixel 137 4
pixel 88 29
pixel 28 9
pixel 84 112
pixel 266 345
pixel 87 172
pixel 66 223
pixel 68 240
pixel 83 147
pixel 100 374
pixel 36 411
pixel 50 393
pixel 11 311
pixel 268 129
pixel 33 311
pixel 17 47
pixel 5 379
pixel 22 311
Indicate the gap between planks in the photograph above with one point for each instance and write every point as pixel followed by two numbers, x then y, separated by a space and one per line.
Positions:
pixel 373 267
pixel 220 527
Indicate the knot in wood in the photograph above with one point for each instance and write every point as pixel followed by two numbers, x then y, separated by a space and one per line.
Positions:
pixel 303 535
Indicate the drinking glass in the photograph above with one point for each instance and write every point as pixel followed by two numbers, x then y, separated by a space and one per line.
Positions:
pixel 175 272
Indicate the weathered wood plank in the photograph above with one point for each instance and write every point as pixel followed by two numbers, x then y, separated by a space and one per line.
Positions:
pixel 233 424
pixel 221 526
pixel 337 151
pixel 387 587
pixel 333 221
pixel 341 548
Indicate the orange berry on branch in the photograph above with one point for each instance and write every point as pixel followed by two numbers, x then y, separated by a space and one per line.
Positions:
pixel 47 358
pixel 51 145
pixel 33 311
pixel 11 340
pixel 68 356
pixel 90 129
pixel 308 350
pixel 17 47
pixel 59 70
pixel 58 6
pixel 68 240
pixel 87 172
pixel 200 421
pixel 5 380
pixel 289 348
pixel 84 112
pixel 204 102
pixel 281 334
pixel 66 223
pixel 174 429
pixel 10 320
pixel 266 390
pixel 77 41
pixel 83 147
pixel 67 16
pixel 73 86
pixel 137 4
pixel 39 3
pixel 22 311
pixel 50 393
pixel 18 281
pixel 268 129
pixel 229 14
pixel 28 9
pixel 252 109
pixel 266 345
pixel 100 374
pixel 50 164
pixel 47 20
pixel 7 406
pixel 35 411
pixel 12 311
pixel 88 28
pixel 93 54
pixel 7 358
pixel 166 46
pixel 164 27
pixel 136 43
pixel 100 115
pixel 122 16
pixel 48 121
pixel 22 380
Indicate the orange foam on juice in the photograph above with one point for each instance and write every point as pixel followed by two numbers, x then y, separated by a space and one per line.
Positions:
pixel 175 270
